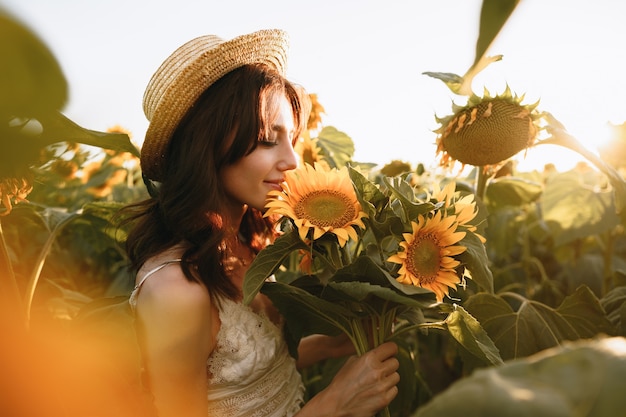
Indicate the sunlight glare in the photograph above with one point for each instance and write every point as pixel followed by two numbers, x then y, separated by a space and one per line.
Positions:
pixel 593 131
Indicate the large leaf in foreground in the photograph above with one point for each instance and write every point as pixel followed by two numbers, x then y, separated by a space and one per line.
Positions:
pixel 31 79
pixel 582 378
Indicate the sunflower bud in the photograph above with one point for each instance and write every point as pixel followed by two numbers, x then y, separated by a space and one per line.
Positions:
pixel 487 130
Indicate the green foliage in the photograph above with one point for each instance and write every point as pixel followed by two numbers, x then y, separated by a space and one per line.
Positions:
pixel 511 191
pixel 34 82
pixel 576 379
pixel 335 145
pixel 470 334
pixel 493 16
pixel 531 326
pixel 34 93
pixel 574 210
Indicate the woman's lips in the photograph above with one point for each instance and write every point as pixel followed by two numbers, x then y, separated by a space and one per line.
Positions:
pixel 275 185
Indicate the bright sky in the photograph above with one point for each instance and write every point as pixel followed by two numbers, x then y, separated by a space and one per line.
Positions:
pixel 363 58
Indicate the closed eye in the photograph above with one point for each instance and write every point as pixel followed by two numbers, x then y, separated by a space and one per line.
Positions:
pixel 268 142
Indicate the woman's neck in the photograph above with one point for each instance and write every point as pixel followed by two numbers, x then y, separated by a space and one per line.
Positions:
pixel 232 221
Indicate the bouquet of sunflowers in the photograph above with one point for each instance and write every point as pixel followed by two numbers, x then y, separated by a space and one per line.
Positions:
pixel 365 258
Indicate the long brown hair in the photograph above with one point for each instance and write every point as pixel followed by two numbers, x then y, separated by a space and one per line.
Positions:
pixel 224 125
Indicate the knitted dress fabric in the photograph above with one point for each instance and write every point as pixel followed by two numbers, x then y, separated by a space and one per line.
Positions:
pixel 251 373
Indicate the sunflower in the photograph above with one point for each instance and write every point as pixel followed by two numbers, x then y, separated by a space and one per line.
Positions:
pixel 309 152
pixel 464 207
pixel 14 190
pixel 315 117
pixel 488 130
pixel 427 254
pixel 319 200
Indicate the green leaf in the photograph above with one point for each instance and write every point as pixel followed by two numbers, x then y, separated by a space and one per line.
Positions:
pixel 475 259
pixel 31 79
pixel 268 261
pixel 364 292
pixel 582 378
pixel 503 192
pixel 468 332
pixel 584 313
pixel 306 313
pixel 58 128
pixel 368 194
pixel 452 81
pixel 614 303
pixel 33 87
pixel 364 269
pixel 403 193
pixel 23 145
pixel 536 326
pixel 336 146
pixel 446 77
pixel 410 390
pixel 493 16
pixel 575 211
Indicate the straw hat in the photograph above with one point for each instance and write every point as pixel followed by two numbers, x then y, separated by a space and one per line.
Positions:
pixel 189 71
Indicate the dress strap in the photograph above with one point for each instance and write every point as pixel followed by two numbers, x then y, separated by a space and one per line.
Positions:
pixel 154 270
pixel 132 300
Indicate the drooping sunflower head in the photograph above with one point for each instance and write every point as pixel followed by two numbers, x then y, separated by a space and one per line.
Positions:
pixel 319 200
pixel 427 254
pixel 395 168
pixel 487 130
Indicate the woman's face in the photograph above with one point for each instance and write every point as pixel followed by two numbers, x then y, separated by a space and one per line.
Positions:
pixel 248 180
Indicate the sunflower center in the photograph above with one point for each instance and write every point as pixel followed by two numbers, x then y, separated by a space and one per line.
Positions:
pixel 326 208
pixel 423 258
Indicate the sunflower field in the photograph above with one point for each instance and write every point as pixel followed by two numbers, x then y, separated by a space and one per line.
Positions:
pixel 505 290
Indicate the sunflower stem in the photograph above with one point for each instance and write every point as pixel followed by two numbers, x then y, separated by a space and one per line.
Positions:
pixel 356 250
pixel 360 339
pixel 481 182
pixel 41 259
pixel 336 256
pixel 9 290
pixel 607 281
pixel 384 412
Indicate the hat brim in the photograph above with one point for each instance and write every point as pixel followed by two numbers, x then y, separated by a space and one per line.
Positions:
pixel 188 72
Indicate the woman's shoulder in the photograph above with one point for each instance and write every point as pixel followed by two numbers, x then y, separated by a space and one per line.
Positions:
pixel 174 312
pixel 162 284
pixel 170 286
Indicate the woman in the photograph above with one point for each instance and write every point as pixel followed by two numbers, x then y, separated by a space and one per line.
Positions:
pixel 223 122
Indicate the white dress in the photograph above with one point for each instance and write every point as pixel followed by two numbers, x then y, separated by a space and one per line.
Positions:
pixel 250 371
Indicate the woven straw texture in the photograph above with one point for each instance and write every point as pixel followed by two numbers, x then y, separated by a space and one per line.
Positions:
pixel 190 70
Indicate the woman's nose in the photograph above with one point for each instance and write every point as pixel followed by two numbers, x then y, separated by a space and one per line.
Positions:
pixel 289 159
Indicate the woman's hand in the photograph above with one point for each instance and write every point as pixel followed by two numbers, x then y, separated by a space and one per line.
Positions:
pixel 317 347
pixel 362 387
